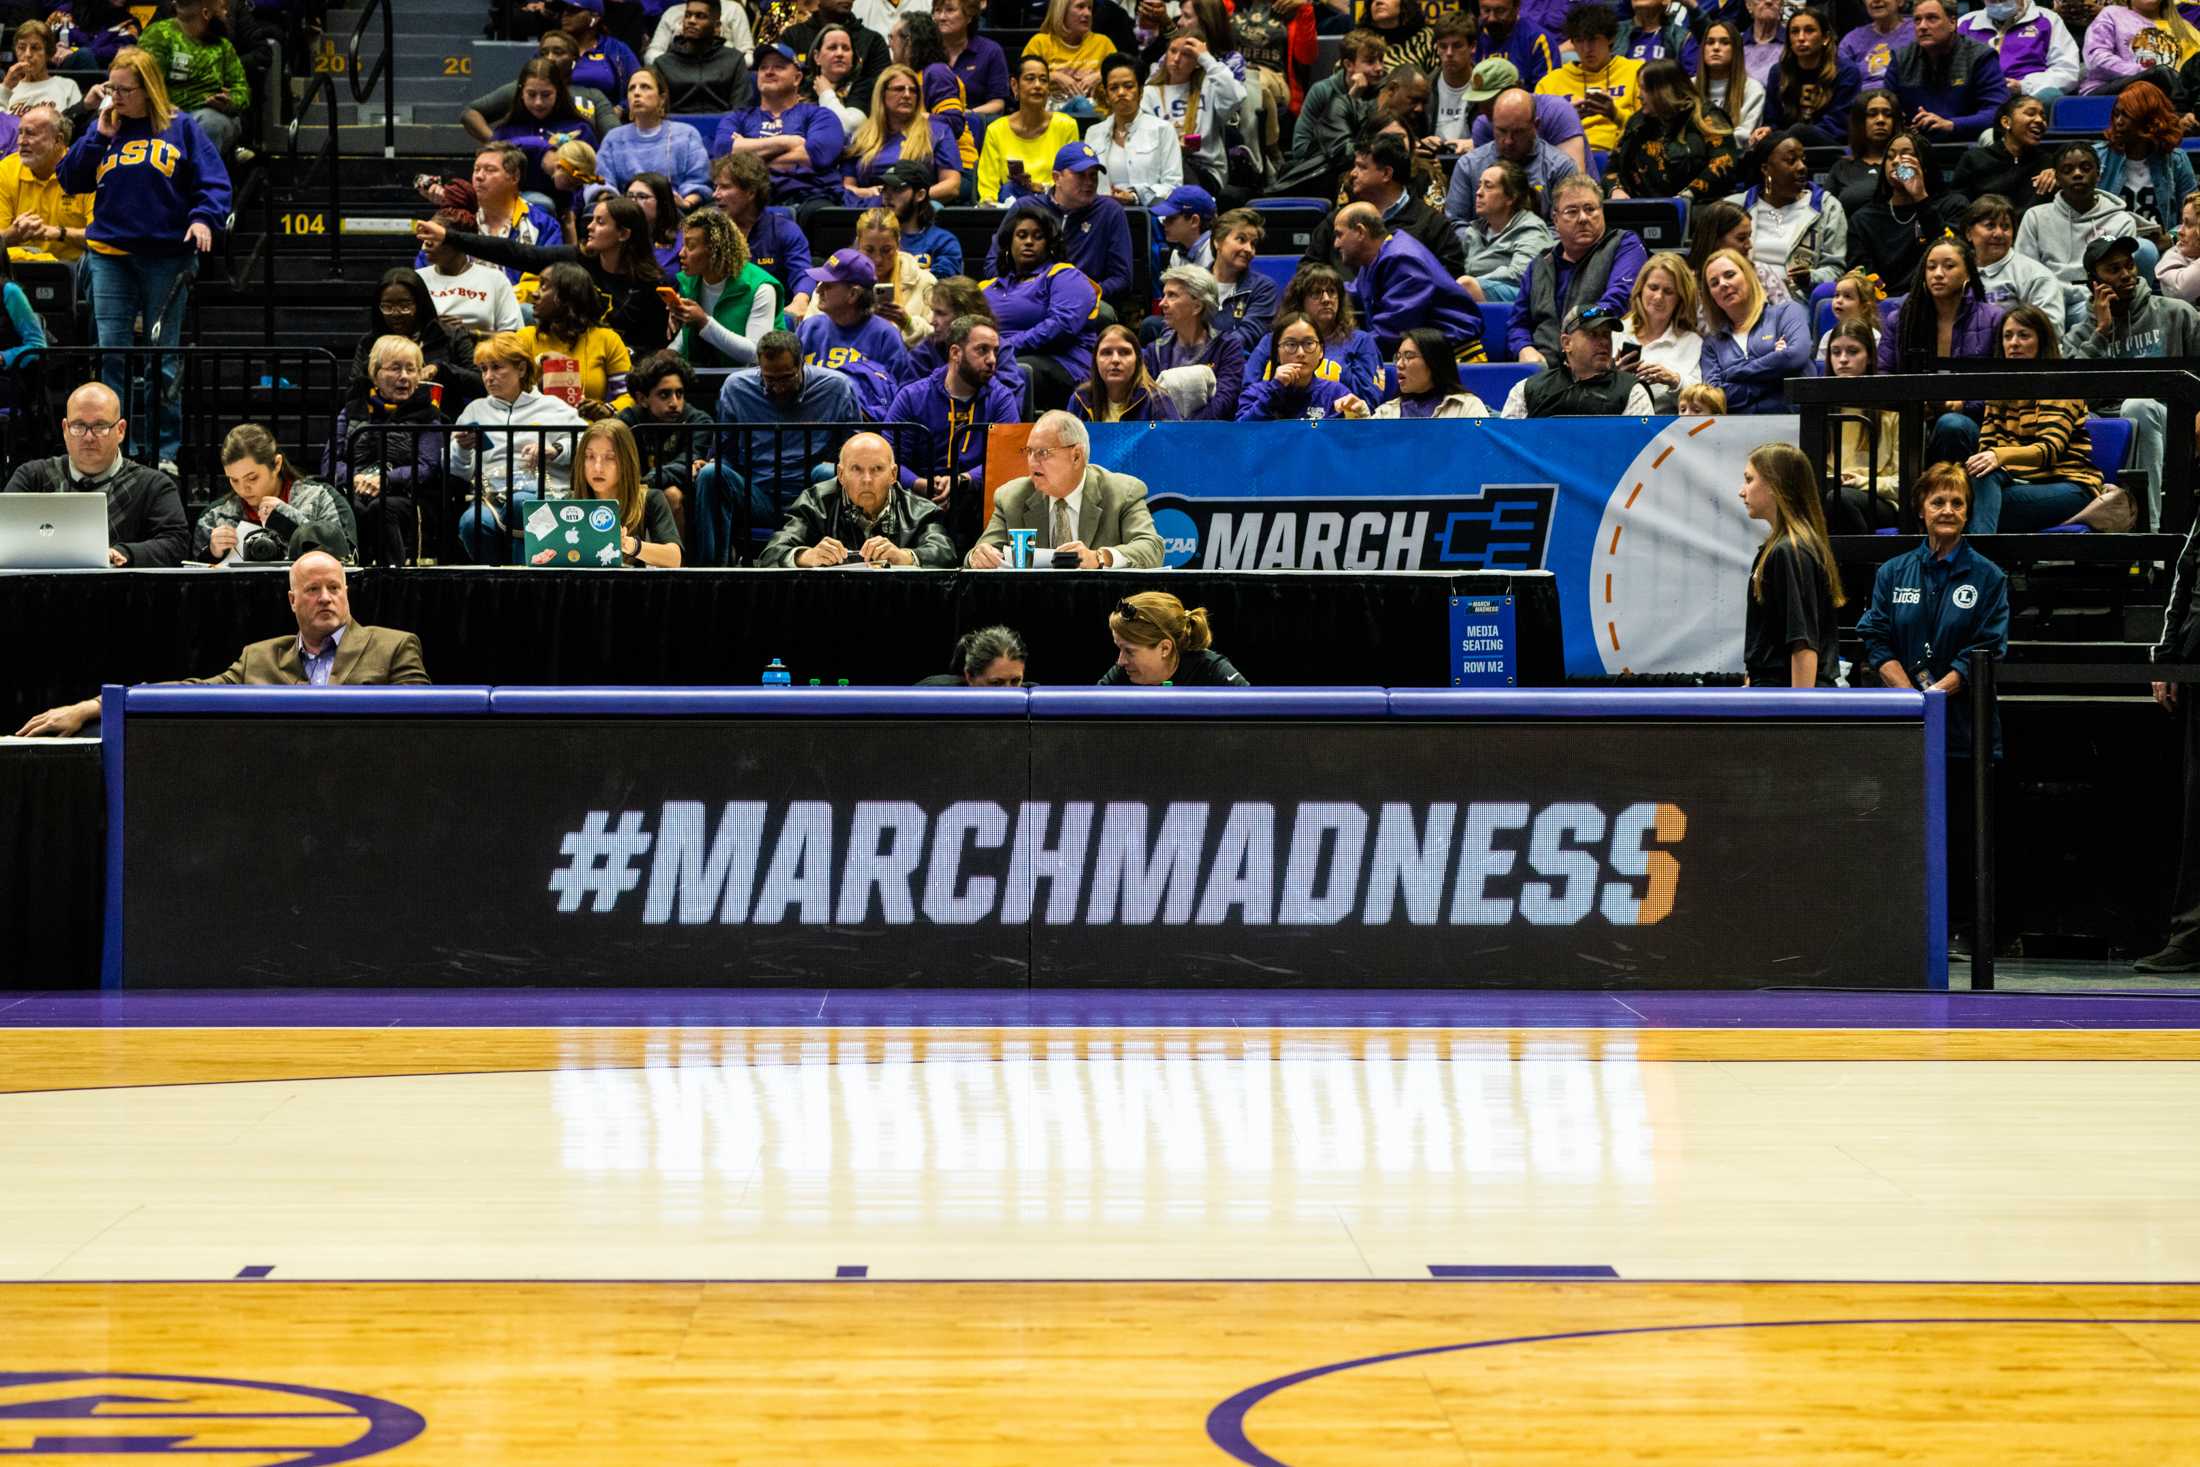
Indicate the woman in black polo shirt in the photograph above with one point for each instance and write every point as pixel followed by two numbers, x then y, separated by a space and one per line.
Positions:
pixel 1789 640
pixel 1157 641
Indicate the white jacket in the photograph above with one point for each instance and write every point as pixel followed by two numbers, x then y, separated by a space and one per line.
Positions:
pixel 2064 63
pixel 1150 164
pixel 1455 405
pixel 504 473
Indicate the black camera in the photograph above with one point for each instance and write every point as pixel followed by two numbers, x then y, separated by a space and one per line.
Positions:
pixel 265 548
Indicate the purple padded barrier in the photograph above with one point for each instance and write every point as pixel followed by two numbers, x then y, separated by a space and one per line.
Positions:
pixel 372 702
pixel 1325 703
pixel 1753 703
pixel 761 702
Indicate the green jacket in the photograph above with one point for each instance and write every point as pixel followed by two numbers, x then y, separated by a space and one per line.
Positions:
pixel 733 311
pixel 196 70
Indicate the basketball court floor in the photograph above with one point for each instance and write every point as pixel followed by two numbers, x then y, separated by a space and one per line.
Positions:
pixel 555 1228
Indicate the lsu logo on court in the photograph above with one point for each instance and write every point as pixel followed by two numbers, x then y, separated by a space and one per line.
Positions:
pixel 1494 527
pixel 65 1416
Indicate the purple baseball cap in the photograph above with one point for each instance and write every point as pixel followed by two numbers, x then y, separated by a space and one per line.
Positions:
pixel 847 267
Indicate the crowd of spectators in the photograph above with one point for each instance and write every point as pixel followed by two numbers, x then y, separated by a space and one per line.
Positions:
pixel 638 240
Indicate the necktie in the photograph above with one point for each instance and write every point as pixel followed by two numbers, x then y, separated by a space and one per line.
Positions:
pixel 1064 532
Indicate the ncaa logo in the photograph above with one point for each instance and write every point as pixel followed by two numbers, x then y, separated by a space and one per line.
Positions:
pixel 75 1415
pixel 1179 537
pixel 602 518
pixel 1965 597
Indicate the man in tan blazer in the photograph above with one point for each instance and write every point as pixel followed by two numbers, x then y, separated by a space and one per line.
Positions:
pixel 329 649
pixel 1072 505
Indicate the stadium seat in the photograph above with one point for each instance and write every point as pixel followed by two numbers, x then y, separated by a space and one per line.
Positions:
pixel 1496 317
pixel 1598 157
pixel 1291 201
pixel 1491 381
pixel 2111 438
pixel 2080 114
pixel 1279 268
pixel 705 123
pixel 1662 224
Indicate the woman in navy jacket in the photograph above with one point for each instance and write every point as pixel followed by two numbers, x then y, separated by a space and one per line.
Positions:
pixel 1932 611
pixel 1752 346
pixel 1932 608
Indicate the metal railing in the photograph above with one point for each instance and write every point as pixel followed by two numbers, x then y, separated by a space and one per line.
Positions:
pixel 383 71
pixel 330 157
pixel 1916 395
pixel 443 479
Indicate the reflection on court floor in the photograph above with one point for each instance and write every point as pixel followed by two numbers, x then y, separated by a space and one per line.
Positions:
pixel 1140 1246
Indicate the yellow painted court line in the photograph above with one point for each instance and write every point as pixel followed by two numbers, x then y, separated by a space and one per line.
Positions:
pixel 63 1059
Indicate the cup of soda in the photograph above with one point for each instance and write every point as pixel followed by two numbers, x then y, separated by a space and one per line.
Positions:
pixel 1019 548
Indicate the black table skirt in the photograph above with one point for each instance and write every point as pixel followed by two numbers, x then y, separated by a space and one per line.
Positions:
pixel 68 633
pixel 52 864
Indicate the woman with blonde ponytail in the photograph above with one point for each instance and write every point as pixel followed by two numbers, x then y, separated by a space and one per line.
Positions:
pixel 1789 639
pixel 1157 641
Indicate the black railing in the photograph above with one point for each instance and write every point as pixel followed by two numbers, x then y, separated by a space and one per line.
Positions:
pixel 288 390
pixel 1915 396
pixel 441 479
pixel 383 71
pixel 260 258
pixel 329 157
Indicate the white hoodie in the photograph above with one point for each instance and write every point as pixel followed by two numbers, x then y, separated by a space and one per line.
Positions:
pixel 502 472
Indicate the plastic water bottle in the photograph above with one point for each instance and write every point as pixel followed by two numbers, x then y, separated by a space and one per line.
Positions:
pixel 777 676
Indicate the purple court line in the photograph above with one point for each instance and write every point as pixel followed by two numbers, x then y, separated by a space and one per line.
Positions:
pixel 811 1281
pixel 1522 1271
pixel 1226 1423
pixel 1116 1008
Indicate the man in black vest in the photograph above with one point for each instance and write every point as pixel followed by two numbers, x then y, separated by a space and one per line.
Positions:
pixel 1581 384
pixel 1589 266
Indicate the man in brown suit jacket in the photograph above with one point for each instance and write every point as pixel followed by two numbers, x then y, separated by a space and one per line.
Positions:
pixel 1105 514
pixel 328 650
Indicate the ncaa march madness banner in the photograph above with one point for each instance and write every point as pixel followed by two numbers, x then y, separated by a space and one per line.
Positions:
pixel 1639 519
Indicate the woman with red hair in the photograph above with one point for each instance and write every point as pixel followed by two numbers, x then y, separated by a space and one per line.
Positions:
pixel 2141 162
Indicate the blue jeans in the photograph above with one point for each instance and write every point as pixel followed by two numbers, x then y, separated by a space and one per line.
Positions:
pixel 125 287
pixel 710 526
pixel 2012 507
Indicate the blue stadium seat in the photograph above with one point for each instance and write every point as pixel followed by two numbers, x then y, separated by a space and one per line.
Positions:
pixel 705 123
pixel 1491 381
pixel 2111 438
pixel 1598 157
pixel 1496 317
pixel 2080 114
pixel 1292 201
pixel 1821 311
pixel 1279 268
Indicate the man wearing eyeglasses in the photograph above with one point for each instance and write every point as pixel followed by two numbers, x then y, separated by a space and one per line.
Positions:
pixel 1588 266
pixel 1099 516
pixel 145 521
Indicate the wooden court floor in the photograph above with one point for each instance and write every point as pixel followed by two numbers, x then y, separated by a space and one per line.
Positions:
pixel 1137 1246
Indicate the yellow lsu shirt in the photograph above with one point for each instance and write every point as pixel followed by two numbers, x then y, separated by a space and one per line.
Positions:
pixel 1617 77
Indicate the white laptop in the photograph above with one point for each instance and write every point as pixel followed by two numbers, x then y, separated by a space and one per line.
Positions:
pixel 53 531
